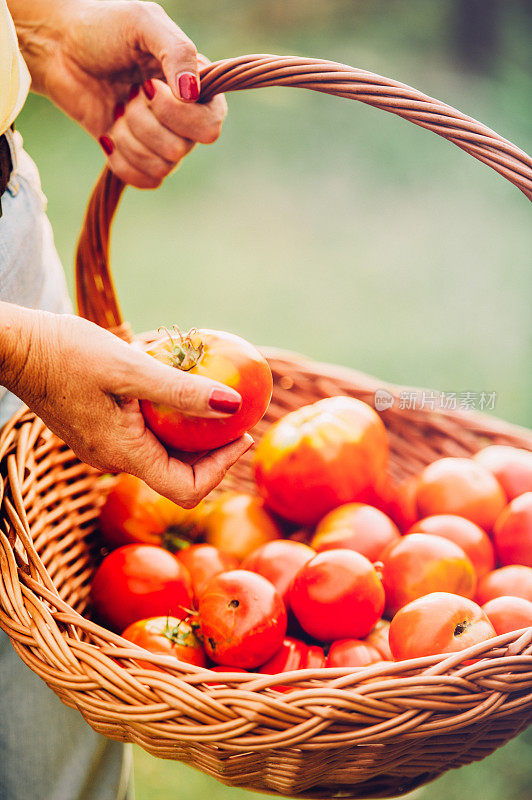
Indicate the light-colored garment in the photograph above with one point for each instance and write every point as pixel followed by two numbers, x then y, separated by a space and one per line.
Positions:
pixel 14 75
pixel 47 750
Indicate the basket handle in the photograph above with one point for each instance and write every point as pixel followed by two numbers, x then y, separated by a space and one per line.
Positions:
pixel 96 295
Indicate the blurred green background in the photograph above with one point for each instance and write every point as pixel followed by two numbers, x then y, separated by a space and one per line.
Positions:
pixel 337 230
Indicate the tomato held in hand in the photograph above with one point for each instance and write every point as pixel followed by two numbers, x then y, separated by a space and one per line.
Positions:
pixel 352 653
pixel 510 465
pixel 438 623
pixel 419 564
pixel 473 540
pixel 514 580
pixel 238 523
pixel 242 619
pixel 320 456
pixel 138 581
pixel 167 636
pixel 508 614
pixel 337 595
pixel 279 562
pixel 512 534
pixel 203 562
pixel 355 526
pixel 134 513
pixel 220 356
pixel 460 486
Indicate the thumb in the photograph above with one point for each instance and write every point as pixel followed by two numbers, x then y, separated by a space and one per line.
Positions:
pixel 148 379
pixel 159 36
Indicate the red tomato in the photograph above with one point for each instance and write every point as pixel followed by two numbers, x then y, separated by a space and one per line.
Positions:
pixel 509 613
pixel 355 526
pixel 322 455
pixel 511 466
pixel 222 357
pixel 378 638
pixel 203 562
pixel 514 580
pixel 438 623
pixel 352 653
pixel 337 595
pixel 512 534
pixel 279 562
pixel 242 619
pixel 420 563
pixel 473 540
pixel 402 504
pixel 135 513
pixel 138 581
pixel 460 486
pixel 167 636
pixel 238 523
pixel 294 654
pixel 314 658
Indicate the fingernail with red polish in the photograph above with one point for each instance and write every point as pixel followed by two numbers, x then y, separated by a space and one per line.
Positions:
pixel 188 86
pixel 119 111
pixel 107 144
pixel 149 89
pixel 225 402
pixel 133 92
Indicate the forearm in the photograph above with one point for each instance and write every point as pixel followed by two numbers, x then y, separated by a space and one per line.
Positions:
pixel 19 337
pixel 41 26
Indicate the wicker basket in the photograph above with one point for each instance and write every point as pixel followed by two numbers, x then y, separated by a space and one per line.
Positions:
pixel 371 732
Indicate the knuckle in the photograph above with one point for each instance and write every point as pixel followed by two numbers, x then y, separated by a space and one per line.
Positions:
pixel 186 394
pixel 174 152
pixel 211 133
pixel 188 50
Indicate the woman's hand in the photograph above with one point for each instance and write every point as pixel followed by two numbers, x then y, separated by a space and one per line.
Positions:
pixel 85 384
pixel 127 73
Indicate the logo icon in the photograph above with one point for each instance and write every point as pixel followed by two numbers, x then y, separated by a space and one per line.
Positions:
pixel 383 400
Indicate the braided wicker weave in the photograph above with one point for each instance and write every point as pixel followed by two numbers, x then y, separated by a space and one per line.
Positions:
pixel 372 732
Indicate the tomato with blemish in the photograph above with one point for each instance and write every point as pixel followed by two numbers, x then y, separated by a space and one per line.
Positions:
pixel 242 619
pixel 439 622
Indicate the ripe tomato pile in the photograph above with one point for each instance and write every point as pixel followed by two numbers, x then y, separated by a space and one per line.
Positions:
pixel 329 564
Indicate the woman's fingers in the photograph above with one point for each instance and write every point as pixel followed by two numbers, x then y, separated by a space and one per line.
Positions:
pixel 201 123
pixel 145 378
pixel 185 484
pixel 154 33
pixel 153 132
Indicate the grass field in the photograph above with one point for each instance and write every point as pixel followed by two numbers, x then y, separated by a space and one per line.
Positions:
pixel 333 229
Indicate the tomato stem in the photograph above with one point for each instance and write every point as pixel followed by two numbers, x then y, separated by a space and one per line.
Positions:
pixel 186 349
